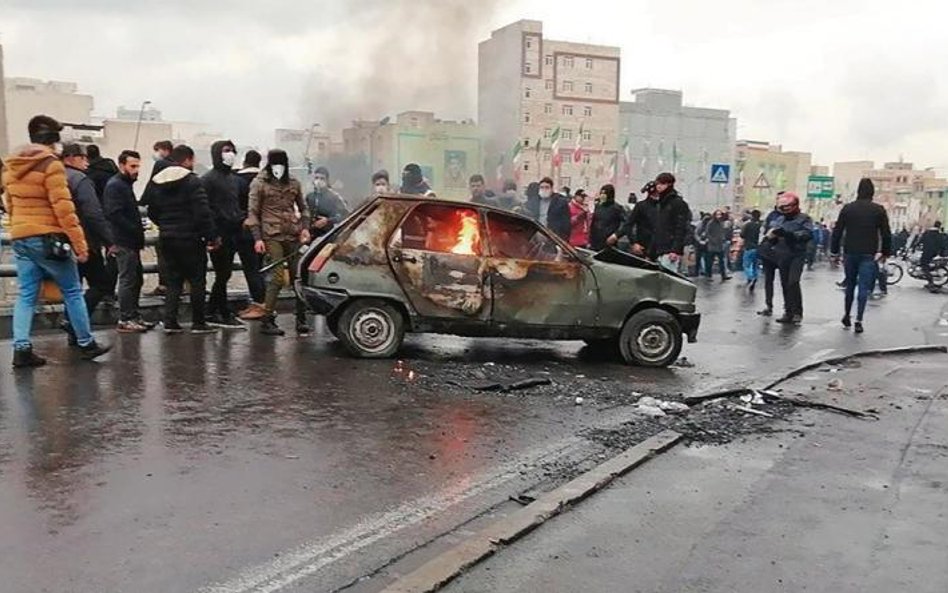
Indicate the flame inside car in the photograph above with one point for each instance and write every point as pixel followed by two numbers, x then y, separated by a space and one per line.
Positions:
pixel 468 235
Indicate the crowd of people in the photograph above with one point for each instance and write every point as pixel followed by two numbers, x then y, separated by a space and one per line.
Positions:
pixel 74 216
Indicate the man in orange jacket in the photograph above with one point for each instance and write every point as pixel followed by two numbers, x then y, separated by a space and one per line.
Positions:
pixel 47 238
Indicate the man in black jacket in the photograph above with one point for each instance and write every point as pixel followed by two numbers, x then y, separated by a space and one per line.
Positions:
pixel 934 244
pixel 180 208
pixel 658 225
pixel 326 207
pixel 121 210
pixel 100 169
pixel 550 209
pixel 162 160
pixel 223 196
pixel 868 242
pixel 250 260
pixel 94 225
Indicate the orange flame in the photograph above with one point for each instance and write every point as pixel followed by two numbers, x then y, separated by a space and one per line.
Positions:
pixel 469 235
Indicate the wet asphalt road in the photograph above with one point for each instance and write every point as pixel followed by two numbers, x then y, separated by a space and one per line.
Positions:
pixel 236 463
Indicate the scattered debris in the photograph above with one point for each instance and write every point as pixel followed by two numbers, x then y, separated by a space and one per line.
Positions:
pixel 751 410
pixel 835 385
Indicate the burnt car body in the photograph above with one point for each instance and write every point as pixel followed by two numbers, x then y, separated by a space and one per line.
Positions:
pixel 414 264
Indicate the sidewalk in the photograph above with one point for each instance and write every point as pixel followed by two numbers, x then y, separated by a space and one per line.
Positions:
pixel 833 503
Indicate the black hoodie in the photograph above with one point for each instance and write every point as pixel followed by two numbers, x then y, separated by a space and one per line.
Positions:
pixel 660 225
pixel 179 206
pixel 865 225
pixel 223 192
pixel 100 170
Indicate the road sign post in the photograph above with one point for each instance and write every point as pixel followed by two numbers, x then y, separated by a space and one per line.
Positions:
pixel 720 173
pixel 820 187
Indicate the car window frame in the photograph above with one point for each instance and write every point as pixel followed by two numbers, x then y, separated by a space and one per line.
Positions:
pixel 564 247
pixel 481 220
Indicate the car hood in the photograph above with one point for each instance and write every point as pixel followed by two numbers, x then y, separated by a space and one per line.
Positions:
pixel 610 255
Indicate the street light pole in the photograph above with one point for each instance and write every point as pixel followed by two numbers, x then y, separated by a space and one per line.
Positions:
pixel 309 141
pixel 138 126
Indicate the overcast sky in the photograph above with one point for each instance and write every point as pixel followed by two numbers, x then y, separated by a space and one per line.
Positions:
pixel 844 79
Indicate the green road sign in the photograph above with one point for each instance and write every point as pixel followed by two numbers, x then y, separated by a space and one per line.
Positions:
pixel 820 187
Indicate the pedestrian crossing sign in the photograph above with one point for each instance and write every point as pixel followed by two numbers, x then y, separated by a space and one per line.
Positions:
pixel 720 173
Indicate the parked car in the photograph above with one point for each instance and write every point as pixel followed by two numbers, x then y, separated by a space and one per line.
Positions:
pixel 414 264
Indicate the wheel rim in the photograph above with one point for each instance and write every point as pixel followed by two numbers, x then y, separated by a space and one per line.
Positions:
pixel 654 342
pixel 940 276
pixel 373 330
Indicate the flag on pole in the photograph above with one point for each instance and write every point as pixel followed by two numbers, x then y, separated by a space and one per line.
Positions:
pixel 661 154
pixel 555 138
pixel 517 156
pixel 578 148
pixel 601 169
pixel 626 159
pixel 500 170
pixel 612 169
pixel 675 158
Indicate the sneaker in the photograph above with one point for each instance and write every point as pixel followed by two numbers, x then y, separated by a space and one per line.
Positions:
pixel 270 328
pixel 93 350
pixel 25 359
pixel 229 322
pixel 148 325
pixel 797 320
pixel 784 319
pixel 768 312
pixel 253 313
pixel 202 328
pixel 131 327
pixel 302 329
pixel 172 327
pixel 847 322
pixel 859 329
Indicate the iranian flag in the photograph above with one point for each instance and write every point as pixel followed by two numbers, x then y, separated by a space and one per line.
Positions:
pixel 578 148
pixel 626 160
pixel 612 169
pixel 517 155
pixel 500 170
pixel 555 138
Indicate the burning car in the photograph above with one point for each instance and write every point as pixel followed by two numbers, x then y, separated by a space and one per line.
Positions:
pixel 415 264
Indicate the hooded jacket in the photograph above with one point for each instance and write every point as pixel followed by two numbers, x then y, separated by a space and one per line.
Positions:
pixel 121 210
pixel 179 206
pixel 661 225
pixel 38 198
pixel 272 209
pixel 89 208
pixel 223 192
pixel 865 225
pixel 100 171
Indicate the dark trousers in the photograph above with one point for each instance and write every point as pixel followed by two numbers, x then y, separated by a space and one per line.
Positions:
pixel 222 259
pixel 861 271
pixel 770 273
pixel 111 266
pixel 790 272
pixel 130 279
pixel 250 261
pixel 710 256
pixel 162 266
pixel 97 276
pixel 185 261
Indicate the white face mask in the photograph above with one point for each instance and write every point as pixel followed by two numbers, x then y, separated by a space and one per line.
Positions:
pixel 278 171
pixel 228 158
pixel 157 156
pixel 320 184
pixel 546 193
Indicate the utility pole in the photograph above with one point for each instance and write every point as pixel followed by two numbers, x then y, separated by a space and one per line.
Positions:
pixel 138 126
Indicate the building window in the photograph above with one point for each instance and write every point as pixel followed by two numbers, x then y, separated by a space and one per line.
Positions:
pixel 567 134
pixel 587 111
pixel 547 133
pixel 548 109
pixel 567 110
pixel 526 117
pixel 549 84
pixel 526 92
pixel 568 61
pixel 568 86
pixel 587 135
pixel 589 88
pixel 589 63
pixel 526 166
pixel 548 60
pixel 586 159
pixel 526 143
pixel 529 42
pixel 527 68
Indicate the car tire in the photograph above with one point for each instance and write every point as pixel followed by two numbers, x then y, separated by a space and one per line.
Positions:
pixel 651 338
pixel 371 328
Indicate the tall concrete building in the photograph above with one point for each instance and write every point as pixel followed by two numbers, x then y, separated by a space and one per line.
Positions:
pixel 764 169
pixel 4 138
pixel 529 87
pixel 26 97
pixel 912 197
pixel 665 135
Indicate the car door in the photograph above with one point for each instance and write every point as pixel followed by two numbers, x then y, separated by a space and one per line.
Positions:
pixel 535 279
pixel 437 255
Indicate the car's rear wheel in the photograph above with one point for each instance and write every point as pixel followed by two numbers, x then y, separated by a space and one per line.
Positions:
pixel 651 338
pixel 371 328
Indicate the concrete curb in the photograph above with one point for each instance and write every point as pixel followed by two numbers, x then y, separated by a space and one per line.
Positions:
pixel 774 380
pixel 450 564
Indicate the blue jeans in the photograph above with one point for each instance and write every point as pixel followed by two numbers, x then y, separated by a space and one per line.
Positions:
pixel 861 270
pixel 750 265
pixel 32 267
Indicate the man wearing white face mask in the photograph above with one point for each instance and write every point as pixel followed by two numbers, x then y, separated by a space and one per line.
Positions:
pixel 223 195
pixel 326 207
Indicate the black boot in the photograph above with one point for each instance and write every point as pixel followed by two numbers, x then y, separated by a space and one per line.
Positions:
pixel 270 327
pixel 24 359
pixel 302 328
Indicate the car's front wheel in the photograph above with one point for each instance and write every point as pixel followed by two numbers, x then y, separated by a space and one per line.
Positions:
pixel 651 338
pixel 371 328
